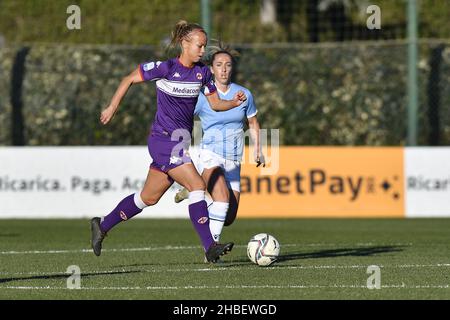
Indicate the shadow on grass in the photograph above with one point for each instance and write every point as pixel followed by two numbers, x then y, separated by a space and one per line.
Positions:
pixel 342 252
pixel 9 235
pixel 331 253
pixel 63 276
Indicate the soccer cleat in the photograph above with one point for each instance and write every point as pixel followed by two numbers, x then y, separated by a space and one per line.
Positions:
pixel 218 261
pixel 97 236
pixel 181 195
pixel 216 250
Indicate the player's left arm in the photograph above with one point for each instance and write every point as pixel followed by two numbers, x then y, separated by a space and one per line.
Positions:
pixel 254 127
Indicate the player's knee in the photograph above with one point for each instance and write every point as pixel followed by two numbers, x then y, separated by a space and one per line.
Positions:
pixel 149 200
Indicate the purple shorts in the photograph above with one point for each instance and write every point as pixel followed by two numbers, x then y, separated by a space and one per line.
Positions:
pixel 167 154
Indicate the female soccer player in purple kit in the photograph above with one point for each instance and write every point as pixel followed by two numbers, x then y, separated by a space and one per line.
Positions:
pixel 179 81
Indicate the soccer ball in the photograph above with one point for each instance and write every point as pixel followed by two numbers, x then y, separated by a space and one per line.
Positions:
pixel 263 249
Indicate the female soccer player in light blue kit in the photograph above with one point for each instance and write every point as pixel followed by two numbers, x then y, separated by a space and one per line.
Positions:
pixel 221 149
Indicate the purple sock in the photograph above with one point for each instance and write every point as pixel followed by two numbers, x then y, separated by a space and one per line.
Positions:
pixel 198 213
pixel 126 209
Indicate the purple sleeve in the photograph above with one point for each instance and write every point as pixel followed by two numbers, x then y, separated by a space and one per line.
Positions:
pixel 153 70
pixel 208 86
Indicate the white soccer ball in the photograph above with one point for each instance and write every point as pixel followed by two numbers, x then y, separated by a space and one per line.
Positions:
pixel 263 249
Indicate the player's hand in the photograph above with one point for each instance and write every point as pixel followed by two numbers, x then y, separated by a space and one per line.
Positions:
pixel 107 114
pixel 260 160
pixel 239 97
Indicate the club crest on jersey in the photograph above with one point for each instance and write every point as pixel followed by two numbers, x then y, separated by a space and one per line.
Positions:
pixel 199 76
pixel 202 220
pixel 123 216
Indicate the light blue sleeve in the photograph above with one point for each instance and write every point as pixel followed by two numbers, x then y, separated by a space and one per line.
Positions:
pixel 251 107
pixel 200 104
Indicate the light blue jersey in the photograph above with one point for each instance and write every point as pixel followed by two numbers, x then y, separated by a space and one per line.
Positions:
pixel 223 131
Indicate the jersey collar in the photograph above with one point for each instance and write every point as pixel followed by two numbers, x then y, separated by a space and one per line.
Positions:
pixel 226 92
pixel 179 62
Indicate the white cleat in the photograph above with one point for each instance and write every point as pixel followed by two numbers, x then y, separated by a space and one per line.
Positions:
pixel 181 195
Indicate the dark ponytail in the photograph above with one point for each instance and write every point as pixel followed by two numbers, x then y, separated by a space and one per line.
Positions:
pixel 221 47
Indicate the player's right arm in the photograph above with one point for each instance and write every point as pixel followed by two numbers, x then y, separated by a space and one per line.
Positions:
pixel 144 72
pixel 218 104
pixel 108 113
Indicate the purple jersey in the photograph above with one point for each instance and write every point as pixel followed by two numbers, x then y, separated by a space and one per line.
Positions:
pixel 178 88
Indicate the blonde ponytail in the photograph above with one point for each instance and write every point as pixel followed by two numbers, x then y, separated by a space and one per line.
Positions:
pixel 181 32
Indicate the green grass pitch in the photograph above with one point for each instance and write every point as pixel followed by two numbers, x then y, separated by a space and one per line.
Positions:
pixel 162 259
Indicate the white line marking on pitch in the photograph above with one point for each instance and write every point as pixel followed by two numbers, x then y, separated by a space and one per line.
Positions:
pixel 402 286
pixel 192 247
pixel 221 269
pixel 104 250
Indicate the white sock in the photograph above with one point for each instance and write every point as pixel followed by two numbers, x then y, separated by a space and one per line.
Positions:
pixel 209 200
pixel 217 214
pixel 138 201
pixel 196 196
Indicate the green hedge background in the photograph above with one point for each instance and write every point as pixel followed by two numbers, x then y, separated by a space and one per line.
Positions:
pixel 316 94
pixel 326 93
